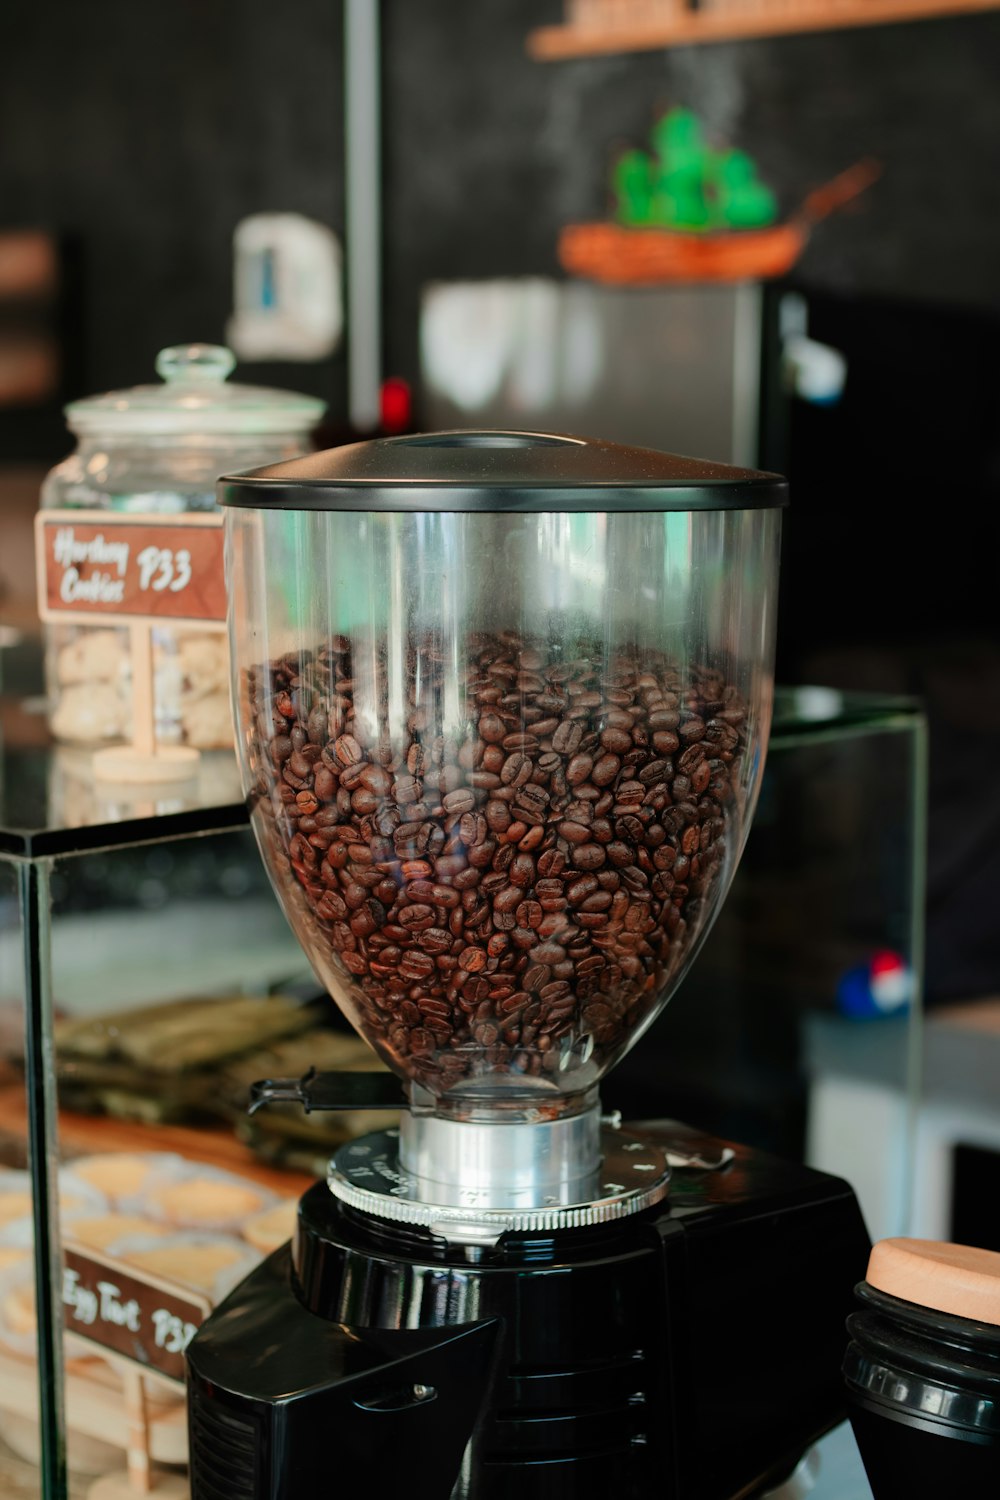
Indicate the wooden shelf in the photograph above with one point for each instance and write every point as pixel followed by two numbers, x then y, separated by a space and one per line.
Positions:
pixel 734 21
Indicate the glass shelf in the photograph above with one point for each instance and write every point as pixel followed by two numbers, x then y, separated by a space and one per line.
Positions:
pixel 51 804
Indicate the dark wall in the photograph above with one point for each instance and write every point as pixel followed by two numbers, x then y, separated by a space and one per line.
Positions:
pixel 144 132
pixel 147 130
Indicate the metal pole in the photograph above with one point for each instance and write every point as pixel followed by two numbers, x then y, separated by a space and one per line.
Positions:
pixel 40 1088
pixel 363 211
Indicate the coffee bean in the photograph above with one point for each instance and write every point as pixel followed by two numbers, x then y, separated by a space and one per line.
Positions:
pixel 588 856
pixel 531 801
pixel 547 953
pixel 529 914
pixel 618 741
pixel 347 750
pixel 605 770
pixel 580 889
pixel 516 770
pixel 566 738
pixel 579 769
pixel 417 916
pixel 459 801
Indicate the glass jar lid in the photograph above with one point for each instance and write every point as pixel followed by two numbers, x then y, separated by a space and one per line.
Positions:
pixel 194 400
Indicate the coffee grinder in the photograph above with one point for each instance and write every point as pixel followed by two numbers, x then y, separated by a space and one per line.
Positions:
pixel 502 703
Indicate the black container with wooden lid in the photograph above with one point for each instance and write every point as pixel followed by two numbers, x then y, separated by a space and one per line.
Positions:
pixel 923 1370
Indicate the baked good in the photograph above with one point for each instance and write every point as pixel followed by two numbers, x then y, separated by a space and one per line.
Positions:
pixel 267 1230
pixel 204 663
pixel 207 723
pixel 94 656
pixel 17 1204
pixel 117 1174
pixel 103 1230
pixel 18 1309
pixel 88 715
pixel 193 1262
pixel 198 1202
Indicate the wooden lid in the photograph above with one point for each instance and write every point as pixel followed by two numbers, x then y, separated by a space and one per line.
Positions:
pixel 956 1279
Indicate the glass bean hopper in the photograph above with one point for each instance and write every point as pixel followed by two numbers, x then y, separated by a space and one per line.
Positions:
pixel 502 703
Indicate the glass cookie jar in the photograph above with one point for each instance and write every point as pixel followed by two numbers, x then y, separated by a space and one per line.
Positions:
pixel 158 449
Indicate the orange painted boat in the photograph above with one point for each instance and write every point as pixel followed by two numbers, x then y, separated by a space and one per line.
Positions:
pixel 620 256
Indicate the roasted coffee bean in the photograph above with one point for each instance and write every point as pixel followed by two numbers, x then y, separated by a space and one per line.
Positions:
pixel 605 770
pixel 567 736
pixel 580 889
pixel 331 907
pixel 508 899
pixel 405 789
pixel 459 801
pixel 416 917
pixel 693 729
pixel 551 863
pixel 532 801
pixel 529 914
pixel 472 960
pixel 532 839
pixel 588 856
pixel 579 769
pixel 547 953
pixel 618 741
pixel 495 900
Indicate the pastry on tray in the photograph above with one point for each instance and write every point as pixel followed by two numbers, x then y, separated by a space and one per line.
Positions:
pixel 17 1311
pixel 208 1263
pixel 193 1195
pixel 100 1232
pixel 160 1064
pixel 16 1198
pixel 119 1174
pixel 268 1230
pixel 182 1034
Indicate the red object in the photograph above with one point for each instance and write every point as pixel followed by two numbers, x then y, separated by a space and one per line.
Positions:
pixel 397 406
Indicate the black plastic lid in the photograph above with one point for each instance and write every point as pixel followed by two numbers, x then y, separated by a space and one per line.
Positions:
pixel 500 471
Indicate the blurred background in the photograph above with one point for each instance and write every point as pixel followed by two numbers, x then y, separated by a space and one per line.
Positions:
pixel 140 143
pixel 416 216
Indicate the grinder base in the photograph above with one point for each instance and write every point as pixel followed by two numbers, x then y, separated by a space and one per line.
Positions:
pixel 688 1352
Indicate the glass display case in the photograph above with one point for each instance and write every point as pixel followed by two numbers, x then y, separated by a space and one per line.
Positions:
pixel 143 965
pixel 147 978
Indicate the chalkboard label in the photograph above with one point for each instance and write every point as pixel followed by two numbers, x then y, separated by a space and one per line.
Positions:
pixel 145 1319
pixel 148 567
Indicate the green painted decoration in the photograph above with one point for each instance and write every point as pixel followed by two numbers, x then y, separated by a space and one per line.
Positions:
pixel 684 185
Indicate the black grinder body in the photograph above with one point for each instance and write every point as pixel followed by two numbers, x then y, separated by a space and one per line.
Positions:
pixel 691 1352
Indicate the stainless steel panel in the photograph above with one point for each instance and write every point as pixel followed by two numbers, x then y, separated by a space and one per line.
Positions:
pixel 675 368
